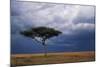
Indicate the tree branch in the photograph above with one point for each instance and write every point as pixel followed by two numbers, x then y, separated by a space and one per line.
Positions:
pixel 37 40
pixel 40 40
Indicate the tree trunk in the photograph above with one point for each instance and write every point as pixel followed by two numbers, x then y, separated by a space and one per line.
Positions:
pixel 45 48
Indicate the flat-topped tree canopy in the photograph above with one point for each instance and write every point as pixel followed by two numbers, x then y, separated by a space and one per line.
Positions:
pixel 42 32
pixel 27 33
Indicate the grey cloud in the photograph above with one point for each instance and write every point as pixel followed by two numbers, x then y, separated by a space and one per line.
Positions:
pixel 61 17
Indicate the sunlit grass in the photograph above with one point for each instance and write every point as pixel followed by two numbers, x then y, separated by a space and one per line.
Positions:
pixel 51 58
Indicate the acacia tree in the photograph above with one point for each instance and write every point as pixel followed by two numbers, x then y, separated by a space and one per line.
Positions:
pixel 41 34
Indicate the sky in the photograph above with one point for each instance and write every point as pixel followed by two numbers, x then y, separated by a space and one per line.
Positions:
pixel 76 22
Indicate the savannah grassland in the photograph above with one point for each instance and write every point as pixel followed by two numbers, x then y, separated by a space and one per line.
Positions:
pixel 51 58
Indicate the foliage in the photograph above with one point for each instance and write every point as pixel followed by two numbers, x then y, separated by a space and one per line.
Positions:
pixel 42 32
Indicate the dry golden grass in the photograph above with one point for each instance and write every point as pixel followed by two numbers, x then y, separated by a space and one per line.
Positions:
pixel 65 57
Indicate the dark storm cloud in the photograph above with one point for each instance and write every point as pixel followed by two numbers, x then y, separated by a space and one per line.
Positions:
pixel 85 20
